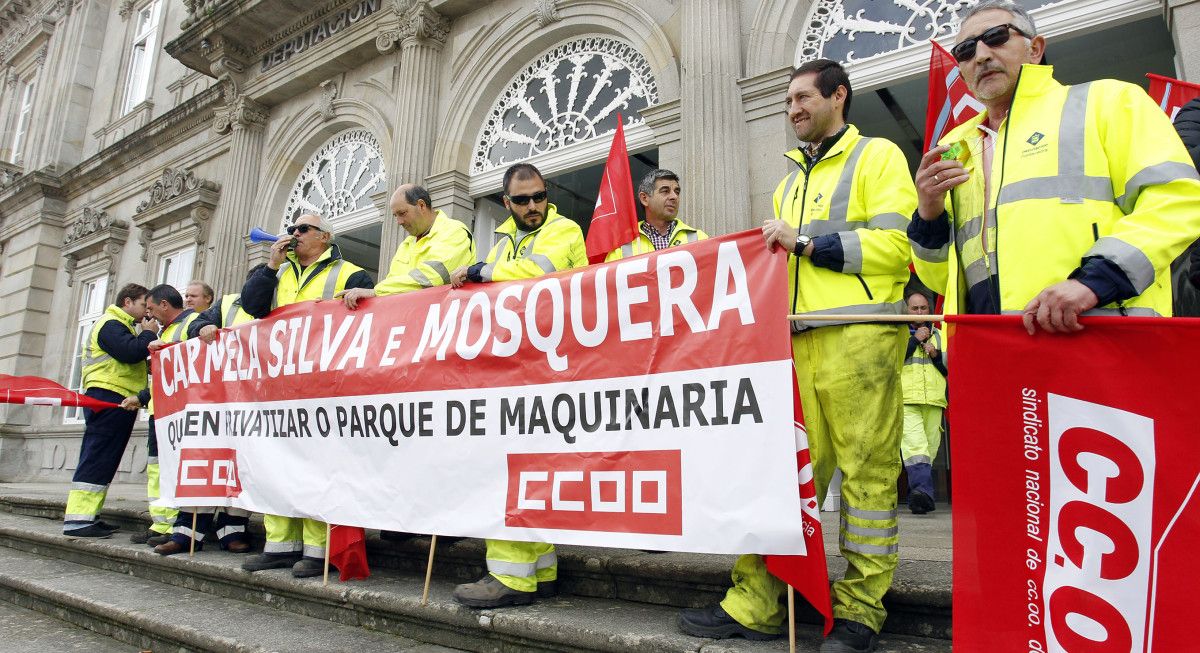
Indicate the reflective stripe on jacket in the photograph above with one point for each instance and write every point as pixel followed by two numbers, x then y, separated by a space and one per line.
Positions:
pixel 1093 170
pixel 322 280
pixel 683 233
pixel 861 191
pixel 98 369
pixel 920 379
pixel 428 261
pixel 554 246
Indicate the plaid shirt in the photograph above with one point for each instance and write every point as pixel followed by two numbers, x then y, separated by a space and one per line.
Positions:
pixel 659 241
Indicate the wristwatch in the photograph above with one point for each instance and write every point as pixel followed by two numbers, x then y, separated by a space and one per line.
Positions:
pixel 802 243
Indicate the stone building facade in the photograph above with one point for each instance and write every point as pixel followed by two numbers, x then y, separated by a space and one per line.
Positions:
pixel 140 140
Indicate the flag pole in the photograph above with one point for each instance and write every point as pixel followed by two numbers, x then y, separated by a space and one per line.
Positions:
pixel 192 543
pixel 328 532
pixel 791 619
pixel 845 317
pixel 428 570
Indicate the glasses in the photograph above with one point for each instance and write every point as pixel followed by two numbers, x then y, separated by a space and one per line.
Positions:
pixel 522 200
pixel 302 229
pixel 993 38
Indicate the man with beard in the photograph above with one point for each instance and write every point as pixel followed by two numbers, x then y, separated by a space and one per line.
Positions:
pixel 534 241
pixel 841 215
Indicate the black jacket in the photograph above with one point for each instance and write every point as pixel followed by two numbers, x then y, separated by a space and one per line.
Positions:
pixel 1187 123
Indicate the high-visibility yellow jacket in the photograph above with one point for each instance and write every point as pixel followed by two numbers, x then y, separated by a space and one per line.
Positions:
pixel 556 245
pixel 859 194
pixel 922 382
pixel 231 312
pixel 683 233
pixel 99 369
pixel 427 261
pixel 1092 170
pixel 324 278
pixel 176 331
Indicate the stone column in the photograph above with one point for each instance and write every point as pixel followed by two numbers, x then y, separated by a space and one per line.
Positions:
pixel 1183 17
pixel 713 131
pixel 225 267
pixel 421 34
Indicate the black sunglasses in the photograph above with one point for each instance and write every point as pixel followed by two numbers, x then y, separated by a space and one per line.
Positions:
pixel 522 200
pixel 994 38
pixel 302 229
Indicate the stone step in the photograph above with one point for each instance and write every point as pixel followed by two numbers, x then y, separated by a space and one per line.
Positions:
pixel 37 560
pixel 26 630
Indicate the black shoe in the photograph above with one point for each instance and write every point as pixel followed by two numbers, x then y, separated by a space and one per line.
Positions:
pixel 108 527
pixel 850 637
pixel 271 561
pixel 920 503
pixel 714 623
pixel 91 530
pixel 488 592
pixel 309 567
pixel 141 537
pixel 158 538
pixel 396 536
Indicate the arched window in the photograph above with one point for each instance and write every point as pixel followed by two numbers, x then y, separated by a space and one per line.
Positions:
pixel 568 95
pixel 338 181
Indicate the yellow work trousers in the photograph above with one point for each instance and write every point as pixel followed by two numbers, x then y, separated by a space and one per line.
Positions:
pixel 294 535
pixel 522 565
pixel 849 379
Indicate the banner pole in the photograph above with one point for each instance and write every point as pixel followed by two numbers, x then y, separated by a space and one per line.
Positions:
pixel 328 532
pixel 791 619
pixel 192 542
pixel 428 570
pixel 822 317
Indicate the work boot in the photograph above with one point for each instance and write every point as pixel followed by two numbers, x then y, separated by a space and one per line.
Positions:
pixel 920 503
pixel 91 530
pixel 174 546
pixel 488 592
pixel 108 527
pixel 158 538
pixel 850 637
pixel 714 623
pixel 237 546
pixel 271 561
pixel 141 537
pixel 309 567
pixel 547 589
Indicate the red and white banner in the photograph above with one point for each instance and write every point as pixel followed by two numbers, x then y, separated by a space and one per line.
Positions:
pixel 949 103
pixel 644 403
pixel 1075 485
pixel 1171 94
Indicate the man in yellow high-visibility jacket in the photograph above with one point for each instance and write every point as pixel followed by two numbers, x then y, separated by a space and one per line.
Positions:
pixel 534 241
pixel 923 378
pixel 659 195
pixel 304 265
pixel 842 215
pixel 113 369
pixel 1056 201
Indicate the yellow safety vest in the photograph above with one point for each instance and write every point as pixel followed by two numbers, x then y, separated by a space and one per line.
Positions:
pixel 173 333
pixel 101 370
pixel 683 233
pixel 861 191
pixel 232 313
pixel 556 245
pixel 322 280
pixel 922 382
pixel 1078 171
pixel 427 261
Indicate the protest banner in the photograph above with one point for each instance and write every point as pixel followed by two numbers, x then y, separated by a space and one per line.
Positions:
pixel 644 403
pixel 1075 485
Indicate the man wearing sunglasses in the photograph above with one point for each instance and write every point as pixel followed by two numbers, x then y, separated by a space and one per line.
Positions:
pixel 534 241
pixel 841 216
pixel 1060 200
pixel 304 266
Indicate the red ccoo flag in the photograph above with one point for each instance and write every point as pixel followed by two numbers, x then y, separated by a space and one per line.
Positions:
pixel 36 391
pixel 348 552
pixel 950 103
pixel 806 573
pixel 1171 94
pixel 614 222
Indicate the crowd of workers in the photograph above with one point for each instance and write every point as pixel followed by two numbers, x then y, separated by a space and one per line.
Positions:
pixel 1088 186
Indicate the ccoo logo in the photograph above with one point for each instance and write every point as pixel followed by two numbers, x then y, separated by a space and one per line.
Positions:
pixel 208 473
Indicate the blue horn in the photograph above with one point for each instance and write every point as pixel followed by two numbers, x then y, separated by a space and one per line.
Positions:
pixel 259 236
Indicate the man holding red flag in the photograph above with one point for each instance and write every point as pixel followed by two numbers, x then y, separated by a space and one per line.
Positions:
pixel 1088 186
pixel 842 215
pixel 659 195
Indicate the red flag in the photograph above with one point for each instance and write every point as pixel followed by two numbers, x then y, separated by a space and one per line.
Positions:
pixel 1171 94
pixel 614 222
pixel 950 103
pixel 36 391
pixel 807 573
pixel 348 552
